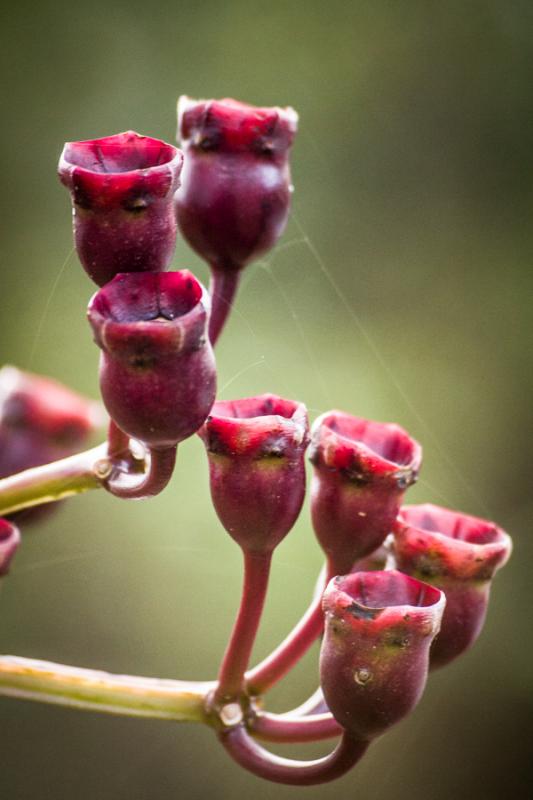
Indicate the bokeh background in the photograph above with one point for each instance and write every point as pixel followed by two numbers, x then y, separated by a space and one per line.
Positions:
pixel 401 291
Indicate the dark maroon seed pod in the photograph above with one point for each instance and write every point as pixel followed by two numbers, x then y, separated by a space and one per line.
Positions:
pixel 458 554
pixel 122 190
pixel 375 653
pixel 361 472
pixel 256 450
pixel 9 542
pixel 235 193
pixel 157 369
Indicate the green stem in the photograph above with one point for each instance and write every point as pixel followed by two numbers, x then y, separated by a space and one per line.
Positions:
pixel 92 690
pixel 55 481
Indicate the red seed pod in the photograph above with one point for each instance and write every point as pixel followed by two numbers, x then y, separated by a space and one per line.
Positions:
pixel 256 450
pixel 122 190
pixel 40 420
pixel 234 199
pixel 375 652
pixel 235 193
pixel 458 554
pixel 361 472
pixel 9 542
pixel 157 369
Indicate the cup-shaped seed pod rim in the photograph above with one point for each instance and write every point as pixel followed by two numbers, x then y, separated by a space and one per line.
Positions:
pixel 384 598
pixel 135 307
pixel 141 167
pixel 9 542
pixel 261 426
pixel 365 450
pixel 450 544
pixel 236 126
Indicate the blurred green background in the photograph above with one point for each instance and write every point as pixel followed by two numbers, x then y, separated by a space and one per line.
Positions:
pixel 401 291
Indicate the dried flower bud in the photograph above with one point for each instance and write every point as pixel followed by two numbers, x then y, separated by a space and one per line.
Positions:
pixel 361 472
pixel 459 554
pixel 122 190
pixel 256 452
pixel 157 370
pixel 375 653
pixel 9 542
pixel 234 198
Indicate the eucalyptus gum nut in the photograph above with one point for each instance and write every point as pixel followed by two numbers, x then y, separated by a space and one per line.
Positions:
pixel 375 652
pixel 256 448
pixel 9 542
pixel 236 187
pixel 361 472
pixel 157 368
pixel 122 190
pixel 459 554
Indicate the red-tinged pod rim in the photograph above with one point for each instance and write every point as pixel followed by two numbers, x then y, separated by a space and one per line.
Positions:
pixel 9 542
pixel 380 599
pixel 101 171
pixel 439 542
pixel 364 450
pixel 266 425
pixel 166 307
pixel 230 124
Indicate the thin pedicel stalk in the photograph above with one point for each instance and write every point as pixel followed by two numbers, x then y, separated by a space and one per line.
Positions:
pixel 237 655
pixel 222 288
pixel 118 442
pixel 293 647
pixel 248 754
pixel 285 728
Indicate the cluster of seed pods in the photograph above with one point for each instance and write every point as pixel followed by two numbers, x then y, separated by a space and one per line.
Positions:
pixel 405 588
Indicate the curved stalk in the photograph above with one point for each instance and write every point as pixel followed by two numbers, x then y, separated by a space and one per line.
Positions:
pixel 102 466
pixel 159 473
pixel 248 754
pixel 93 690
pixel 282 728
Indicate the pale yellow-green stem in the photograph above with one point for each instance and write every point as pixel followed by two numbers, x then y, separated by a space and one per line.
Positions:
pixel 55 481
pixel 93 690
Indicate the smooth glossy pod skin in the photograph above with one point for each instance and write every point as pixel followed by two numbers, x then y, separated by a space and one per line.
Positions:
pixel 235 193
pixel 122 190
pixel 157 370
pixel 361 472
pixel 375 653
pixel 9 542
pixel 256 449
pixel 458 554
